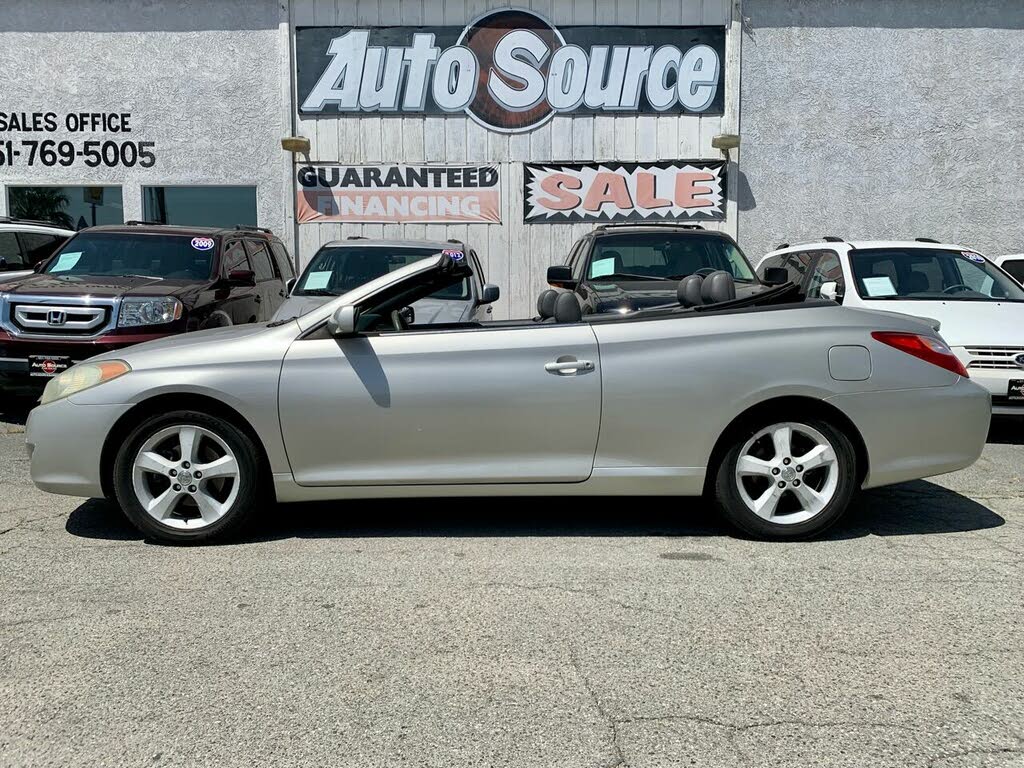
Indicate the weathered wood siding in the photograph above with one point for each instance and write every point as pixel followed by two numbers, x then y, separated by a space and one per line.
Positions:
pixel 515 255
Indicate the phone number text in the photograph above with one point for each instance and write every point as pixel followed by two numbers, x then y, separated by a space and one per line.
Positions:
pixel 50 152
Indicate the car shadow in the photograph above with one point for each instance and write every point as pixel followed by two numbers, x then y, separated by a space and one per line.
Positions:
pixel 910 509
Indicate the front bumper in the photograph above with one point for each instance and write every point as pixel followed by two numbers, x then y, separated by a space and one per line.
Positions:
pixel 65 442
pixel 914 433
pixel 998 385
pixel 15 352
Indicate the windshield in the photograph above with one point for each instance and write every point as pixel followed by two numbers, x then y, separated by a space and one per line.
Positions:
pixel 116 254
pixel 337 270
pixel 665 256
pixel 927 274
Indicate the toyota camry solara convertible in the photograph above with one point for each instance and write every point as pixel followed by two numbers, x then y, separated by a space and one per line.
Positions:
pixel 776 409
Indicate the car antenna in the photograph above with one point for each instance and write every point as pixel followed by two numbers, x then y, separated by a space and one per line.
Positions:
pixel 925 240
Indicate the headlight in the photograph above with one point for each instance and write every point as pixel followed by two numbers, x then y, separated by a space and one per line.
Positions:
pixel 82 376
pixel 148 311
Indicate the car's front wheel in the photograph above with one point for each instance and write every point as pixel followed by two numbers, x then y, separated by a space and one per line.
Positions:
pixel 786 479
pixel 187 477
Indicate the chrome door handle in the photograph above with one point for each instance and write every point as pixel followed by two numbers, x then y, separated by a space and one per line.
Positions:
pixel 569 367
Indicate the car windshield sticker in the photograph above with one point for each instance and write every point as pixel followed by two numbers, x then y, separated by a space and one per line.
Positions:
pixel 202 243
pixel 66 261
pixel 602 267
pixel 454 255
pixel 879 286
pixel 975 257
pixel 317 280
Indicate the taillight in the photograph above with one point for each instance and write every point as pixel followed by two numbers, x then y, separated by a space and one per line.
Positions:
pixel 927 348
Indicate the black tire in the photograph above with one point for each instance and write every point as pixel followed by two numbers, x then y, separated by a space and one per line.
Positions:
pixel 240 512
pixel 735 510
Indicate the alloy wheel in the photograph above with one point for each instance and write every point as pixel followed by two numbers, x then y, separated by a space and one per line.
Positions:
pixel 185 477
pixel 787 473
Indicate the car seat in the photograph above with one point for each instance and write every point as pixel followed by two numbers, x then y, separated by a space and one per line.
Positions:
pixel 718 287
pixel 546 304
pixel 567 309
pixel 914 282
pixel 688 291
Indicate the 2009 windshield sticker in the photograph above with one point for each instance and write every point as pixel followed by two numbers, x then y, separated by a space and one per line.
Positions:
pixel 454 255
pixel 975 257
pixel 202 243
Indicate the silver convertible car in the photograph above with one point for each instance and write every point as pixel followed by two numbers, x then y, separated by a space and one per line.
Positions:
pixel 777 409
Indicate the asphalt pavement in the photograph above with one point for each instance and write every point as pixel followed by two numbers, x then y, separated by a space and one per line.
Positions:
pixel 555 633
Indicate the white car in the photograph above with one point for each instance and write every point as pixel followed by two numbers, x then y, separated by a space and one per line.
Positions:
pixel 23 244
pixel 1013 265
pixel 979 307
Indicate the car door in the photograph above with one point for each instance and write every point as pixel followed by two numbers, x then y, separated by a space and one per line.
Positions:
pixel 490 405
pixel 270 291
pixel 238 301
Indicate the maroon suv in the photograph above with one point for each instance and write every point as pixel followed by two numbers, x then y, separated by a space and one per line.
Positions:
pixel 112 286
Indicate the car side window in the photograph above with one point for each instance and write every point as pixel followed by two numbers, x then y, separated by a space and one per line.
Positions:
pixel 10 253
pixel 284 262
pixel 37 246
pixel 581 258
pixel 262 265
pixel 235 258
pixel 1015 268
pixel 826 269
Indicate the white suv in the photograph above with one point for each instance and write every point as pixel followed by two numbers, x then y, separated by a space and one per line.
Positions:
pixel 980 308
pixel 23 244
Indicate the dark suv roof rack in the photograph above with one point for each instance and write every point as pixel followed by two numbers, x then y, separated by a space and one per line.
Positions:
pixel 925 240
pixel 16 220
pixel 833 239
pixel 355 237
pixel 253 228
pixel 138 223
pixel 676 224
pixel 453 241
pixel 780 246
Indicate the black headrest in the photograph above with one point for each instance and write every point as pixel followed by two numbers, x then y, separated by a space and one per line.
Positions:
pixel 688 291
pixel 546 303
pixel 567 308
pixel 718 287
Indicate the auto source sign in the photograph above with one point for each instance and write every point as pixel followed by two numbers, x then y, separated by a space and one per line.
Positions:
pixel 510 70
pixel 680 190
pixel 399 193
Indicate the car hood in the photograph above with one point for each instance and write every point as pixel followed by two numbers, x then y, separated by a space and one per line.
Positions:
pixel 96 285
pixel 171 347
pixel 967 323
pixel 643 294
pixel 427 310
pixel 12 277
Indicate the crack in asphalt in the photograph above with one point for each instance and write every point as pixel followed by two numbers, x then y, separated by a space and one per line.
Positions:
pixel 572 591
pixel 619 760
pixel 968 752
pixel 22 523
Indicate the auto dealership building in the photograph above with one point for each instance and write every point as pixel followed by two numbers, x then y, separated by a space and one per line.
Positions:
pixel 516 130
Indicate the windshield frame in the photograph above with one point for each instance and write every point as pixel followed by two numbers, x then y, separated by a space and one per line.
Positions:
pixel 724 240
pixel 69 246
pixel 990 268
pixel 423 252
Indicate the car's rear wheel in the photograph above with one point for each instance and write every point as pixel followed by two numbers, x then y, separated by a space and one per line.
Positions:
pixel 786 479
pixel 187 477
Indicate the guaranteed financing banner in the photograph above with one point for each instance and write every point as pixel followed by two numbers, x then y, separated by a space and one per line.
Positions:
pixel 676 190
pixel 399 193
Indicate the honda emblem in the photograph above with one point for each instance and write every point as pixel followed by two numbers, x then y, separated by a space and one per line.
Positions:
pixel 56 317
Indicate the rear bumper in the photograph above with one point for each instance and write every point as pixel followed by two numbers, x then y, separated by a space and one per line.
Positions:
pixel 65 441
pixel 915 433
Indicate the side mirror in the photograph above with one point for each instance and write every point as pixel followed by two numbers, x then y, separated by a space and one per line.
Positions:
pixel 561 277
pixel 289 286
pixel 241 278
pixel 830 291
pixel 490 293
pixel 343 322
pixel 775 276
pixel 40 265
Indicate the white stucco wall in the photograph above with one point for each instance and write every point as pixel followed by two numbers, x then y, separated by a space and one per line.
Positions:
pixel 206 80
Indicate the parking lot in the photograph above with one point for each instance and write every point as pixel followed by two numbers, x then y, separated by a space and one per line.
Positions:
pixel 521 633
